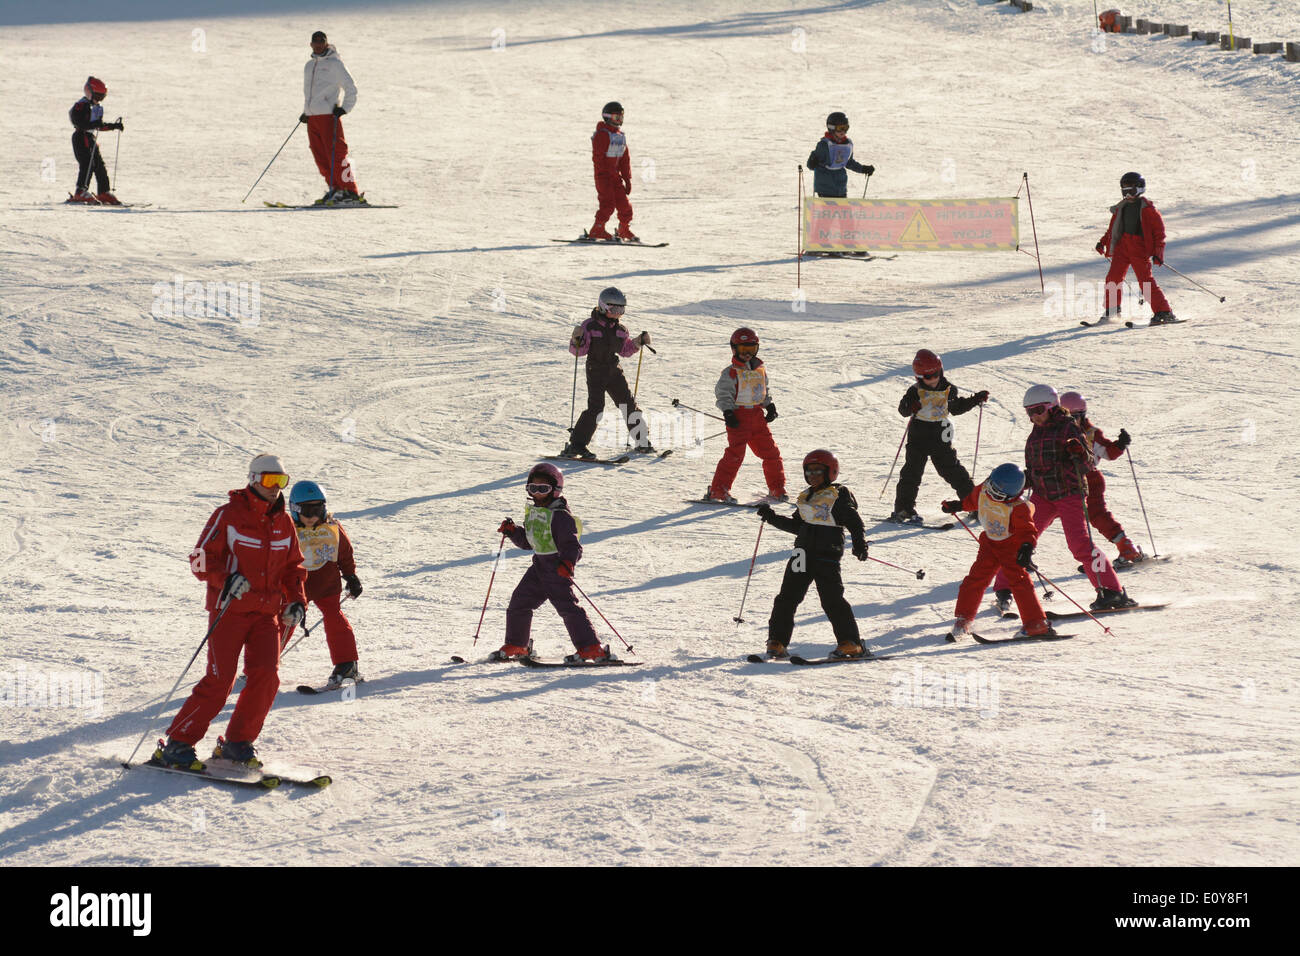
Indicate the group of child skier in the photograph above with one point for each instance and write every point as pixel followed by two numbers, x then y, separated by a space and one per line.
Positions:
pixel 263 561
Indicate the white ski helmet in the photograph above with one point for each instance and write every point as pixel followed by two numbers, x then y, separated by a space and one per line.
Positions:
pixel 263 464
pixel 1040 395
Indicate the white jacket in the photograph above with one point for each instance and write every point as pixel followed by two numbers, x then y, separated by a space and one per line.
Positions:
pixel 322 79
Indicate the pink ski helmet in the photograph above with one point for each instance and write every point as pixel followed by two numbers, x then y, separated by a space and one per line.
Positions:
pixel 1073 402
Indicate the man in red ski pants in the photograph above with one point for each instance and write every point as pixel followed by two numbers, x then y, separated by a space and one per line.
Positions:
pixel 248 556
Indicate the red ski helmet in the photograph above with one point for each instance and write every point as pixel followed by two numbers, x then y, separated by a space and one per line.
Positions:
pixel 744 336
pixel 549 473
pixel 1073 402
pixel 95 88
pixel 926 363
pixel 820 456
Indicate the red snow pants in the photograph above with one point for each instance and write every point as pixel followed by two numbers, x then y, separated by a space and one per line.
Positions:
pixel 1099 515
pixel 994 558
pixel 1070 510
pixel 609 197
pixel 340 637
pixel 1131 252
pixel 754 433
pixel 330 150
pixel 257 635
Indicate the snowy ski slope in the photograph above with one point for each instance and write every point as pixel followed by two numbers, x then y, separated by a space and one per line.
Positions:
pixel 413 362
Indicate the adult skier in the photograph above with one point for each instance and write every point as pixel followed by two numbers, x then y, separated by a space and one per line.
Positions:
pixel 1135 238
pixel 87 115
pixel 248 557
pixel 612 164
pixel 603 339
pixel 552 533
pixel 831 156
pixel 824 510
pixel 324 79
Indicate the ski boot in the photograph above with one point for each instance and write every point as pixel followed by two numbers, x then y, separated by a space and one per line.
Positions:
pixel 597 234
pixel 107 199
pixel 592 652
pixel 1003 599
pixel 1108 600
pixel 342 672
pixel 906 516
pixel 512 652
pixel 239 751
pixel 581 452
pixel 626 234
pixel 177 754
pixel 1163 318
pixel 723 496
pixel 84 196
pixel 1041 629
pixel 960 630
pixel 777 651
pixel 849 649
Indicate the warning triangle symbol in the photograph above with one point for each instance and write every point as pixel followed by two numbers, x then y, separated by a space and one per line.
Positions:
pixel 918 230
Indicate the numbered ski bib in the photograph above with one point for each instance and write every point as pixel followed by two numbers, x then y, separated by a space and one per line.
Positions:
pixel 751 386
pixel 320 545
pixel 537 528
pixel 840 154
pixel 815 506
pixel 934 404
pixel 995 516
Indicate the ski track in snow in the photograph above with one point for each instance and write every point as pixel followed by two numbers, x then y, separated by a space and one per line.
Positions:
pixel 412 361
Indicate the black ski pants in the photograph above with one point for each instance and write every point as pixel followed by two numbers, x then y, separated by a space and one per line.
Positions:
pixel 87 152
pixel 929 447
pixel 830 590
pixel 604 380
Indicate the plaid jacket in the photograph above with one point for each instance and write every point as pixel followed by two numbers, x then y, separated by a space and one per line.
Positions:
pixel 1048 469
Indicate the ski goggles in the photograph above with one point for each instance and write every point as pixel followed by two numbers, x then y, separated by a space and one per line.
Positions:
pixel 312 509
pixel 839 128
pixel 1130 190
pixel 272 479
pixel 1038 409
pixel 539 488
pixel 614 311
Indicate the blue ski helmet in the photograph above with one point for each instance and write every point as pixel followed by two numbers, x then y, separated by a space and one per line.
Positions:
pixel 1006 481
pixel 303 492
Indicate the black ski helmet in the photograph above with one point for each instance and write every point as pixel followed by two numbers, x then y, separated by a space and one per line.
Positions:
pixel 837 119
pixel 611 297
pixel 1134 182
pixel 610 110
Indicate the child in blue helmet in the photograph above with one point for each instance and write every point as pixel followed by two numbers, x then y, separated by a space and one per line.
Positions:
pixel 329 562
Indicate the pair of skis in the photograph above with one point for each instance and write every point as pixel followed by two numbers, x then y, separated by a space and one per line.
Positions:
pixel 1054 616
pixel 798 661
pixel 540 663
pixel 236 775
pixel 620 460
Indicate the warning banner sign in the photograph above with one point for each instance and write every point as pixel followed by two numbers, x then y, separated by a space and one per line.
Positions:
pixel 918 225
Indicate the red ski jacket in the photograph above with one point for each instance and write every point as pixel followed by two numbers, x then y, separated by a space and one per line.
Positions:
pixel 610 156
pixel 1153 230
pixel 259 541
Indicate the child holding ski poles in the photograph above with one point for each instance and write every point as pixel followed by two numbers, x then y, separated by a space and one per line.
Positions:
pixel 552 533
pixel 1099 446
pixel 1135 237
pixel 330 564
pixel 1006 547
pixel 927 404
pixel 825 510
pixel 746 404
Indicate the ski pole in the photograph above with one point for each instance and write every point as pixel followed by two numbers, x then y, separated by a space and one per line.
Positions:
pixel 112 182
pixel 90 168
pixel 896 454
pixel 212 627
pixel 920 575
pixel 602 616
pixel 1194 282
pixel 1087 519
pixel 636 387
pixel 273 159
pixel 307 630
pixel 500 548
pixel 739 618
pixel 678 404
pixel 978 428
pixel 966 526
pixel 1046 581
pixel 1154 552
pixel 573 402
pixel 865 185
pixel 333 148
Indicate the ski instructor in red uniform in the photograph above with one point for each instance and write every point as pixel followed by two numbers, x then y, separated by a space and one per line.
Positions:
pixel 613 167
pixel 248 556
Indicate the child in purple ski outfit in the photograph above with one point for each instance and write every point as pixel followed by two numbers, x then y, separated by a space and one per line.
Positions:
pixel 551 532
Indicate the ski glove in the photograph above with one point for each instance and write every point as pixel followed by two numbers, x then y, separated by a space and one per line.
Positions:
pixel 1101 248
pixel 302 118
pixel 950 507
pixel 354 585
pixel 575 340
pixel 1124 439
pixel 771 412
pixel 644 338
pixel 860 550
pixel 565 570
pixel 981 397
pixel 1074 448
pixel 507 526
pixel 340 111
pixel 117 125
pixel 294 614
pixel 765 511
pixel 813 162
pixel 913 407
pixel 1025 556
pixel 627 187
pixel 236 586
pixel 731 418
pixel 1158 259
pixel 869 170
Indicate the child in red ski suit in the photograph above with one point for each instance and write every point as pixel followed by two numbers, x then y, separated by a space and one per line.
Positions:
pixel 1135 237
pixel 1099 447
pixel 330 564
pixel 1006 546
pixel 612 164
pixel 747 408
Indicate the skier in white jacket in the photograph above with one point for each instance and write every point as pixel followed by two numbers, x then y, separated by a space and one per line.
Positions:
pixel 324 78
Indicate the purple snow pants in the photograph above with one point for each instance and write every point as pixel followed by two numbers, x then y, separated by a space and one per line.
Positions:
pixel 542 583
